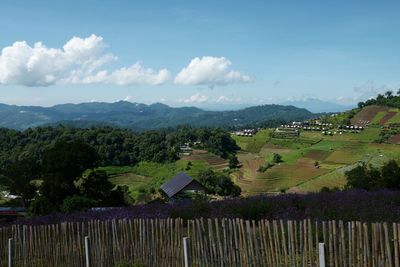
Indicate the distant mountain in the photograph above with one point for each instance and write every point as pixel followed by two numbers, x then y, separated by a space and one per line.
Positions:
pixel 140 116
pixel 318 106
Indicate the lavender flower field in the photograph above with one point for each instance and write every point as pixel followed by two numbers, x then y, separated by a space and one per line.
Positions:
pixel 364 206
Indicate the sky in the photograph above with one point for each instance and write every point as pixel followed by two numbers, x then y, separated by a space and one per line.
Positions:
pixel 207 53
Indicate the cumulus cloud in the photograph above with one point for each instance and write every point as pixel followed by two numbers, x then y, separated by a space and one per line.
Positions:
pixel 209 71
pixel 196 98
pixel 79 61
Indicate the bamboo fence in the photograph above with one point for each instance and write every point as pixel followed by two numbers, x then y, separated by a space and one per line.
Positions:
pixel 212 242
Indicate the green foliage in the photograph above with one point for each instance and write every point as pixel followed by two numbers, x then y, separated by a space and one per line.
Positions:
pixel 326 189
pixel 76 203
pixel 233 162
pixel 388 99
pixel 41 206
pixel 115 147
pixel 391 175
pixel 62 165
pixel 265 167
pixel 97 187
pixel 18 177
pixel 188 166
pixel 218 183
pixel 371 178
pixel 277 158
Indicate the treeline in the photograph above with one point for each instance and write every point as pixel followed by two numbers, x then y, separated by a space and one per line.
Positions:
pixel 55 169
pixel 64 180
pixel 372 178
pixel 115 146
pixel 389 99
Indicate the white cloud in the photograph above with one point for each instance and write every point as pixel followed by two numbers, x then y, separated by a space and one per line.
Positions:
pixel 225 99
pixel 209 71
pixel 196 98
pixel 79 61
pixel 369 89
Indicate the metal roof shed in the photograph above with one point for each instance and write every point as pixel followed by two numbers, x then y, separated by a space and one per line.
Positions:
pixel 179 183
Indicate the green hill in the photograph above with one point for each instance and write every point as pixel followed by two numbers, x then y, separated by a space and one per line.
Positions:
pixel 142 117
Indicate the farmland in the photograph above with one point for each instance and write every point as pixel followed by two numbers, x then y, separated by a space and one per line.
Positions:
pixel 313 161
pixel 298 172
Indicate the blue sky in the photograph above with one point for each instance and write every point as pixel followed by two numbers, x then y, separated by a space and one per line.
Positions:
pixel 201 53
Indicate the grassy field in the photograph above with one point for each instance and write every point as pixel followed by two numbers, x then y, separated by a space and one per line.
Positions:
pixel 253 144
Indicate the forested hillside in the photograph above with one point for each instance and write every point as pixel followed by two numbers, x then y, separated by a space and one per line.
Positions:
pixel 143 117
pixel 115 146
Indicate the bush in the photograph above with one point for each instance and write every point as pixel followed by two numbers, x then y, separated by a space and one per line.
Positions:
pixel 218 184
pixel 40 206
pixel 76 203
pixel 265 167
pixel 253 209
pixel 233 162
pixel 277 158
pixel 190 209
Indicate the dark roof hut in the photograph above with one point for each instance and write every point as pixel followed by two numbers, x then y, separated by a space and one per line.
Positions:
pixel 181 183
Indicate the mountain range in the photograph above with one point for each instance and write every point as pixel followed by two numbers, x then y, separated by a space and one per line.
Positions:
pixel 318 106
pixel 141 116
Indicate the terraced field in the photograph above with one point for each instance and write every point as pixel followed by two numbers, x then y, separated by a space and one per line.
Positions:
pixel 299 171
pixel 367 115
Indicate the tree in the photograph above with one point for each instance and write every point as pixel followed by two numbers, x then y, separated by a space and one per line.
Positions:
pixel 370 178
pixel 391 175
pixel 18 178
pixel 76 203
pixel 218 184
pixel 62 165
pixel 233 162
pixel 389 94
pixel 363 177
pixel 316 164
pixel 96 186
pixel 277 158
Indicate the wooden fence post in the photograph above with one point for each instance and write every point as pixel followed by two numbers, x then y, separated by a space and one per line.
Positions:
pixel 10 254
pixel 321 250
pixel 87 254
pixel 186 251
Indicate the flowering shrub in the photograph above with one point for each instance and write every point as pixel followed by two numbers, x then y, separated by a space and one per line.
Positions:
pixel 366 206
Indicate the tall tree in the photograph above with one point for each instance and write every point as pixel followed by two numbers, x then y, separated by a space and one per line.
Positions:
pixel 18 177
pixel 62 165
pixel 97 187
